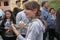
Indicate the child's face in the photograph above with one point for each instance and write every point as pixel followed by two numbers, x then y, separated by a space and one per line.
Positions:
pixel 53 11
pixel 8 15
pixel 30 13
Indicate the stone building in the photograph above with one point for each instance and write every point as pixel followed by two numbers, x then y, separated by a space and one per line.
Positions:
pixel 5 4
pixel 10 4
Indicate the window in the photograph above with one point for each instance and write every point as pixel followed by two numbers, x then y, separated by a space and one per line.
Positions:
pixel 6 3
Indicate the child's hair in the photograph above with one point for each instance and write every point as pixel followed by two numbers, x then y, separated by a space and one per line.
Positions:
pixel 31 5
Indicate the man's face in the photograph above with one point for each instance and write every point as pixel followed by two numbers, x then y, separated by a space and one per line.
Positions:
pixel 19 4
pixel 46 4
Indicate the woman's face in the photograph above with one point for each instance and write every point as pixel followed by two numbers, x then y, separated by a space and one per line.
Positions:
pixel 30 13
pixel 8 15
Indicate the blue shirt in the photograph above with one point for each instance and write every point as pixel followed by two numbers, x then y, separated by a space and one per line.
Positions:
pixel 35 31
pixel 1 14
pixel 21 17
pixel 46 15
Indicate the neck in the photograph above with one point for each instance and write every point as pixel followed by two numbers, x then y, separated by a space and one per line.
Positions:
pixel 8 19
pixel 44 7
pixel 33 18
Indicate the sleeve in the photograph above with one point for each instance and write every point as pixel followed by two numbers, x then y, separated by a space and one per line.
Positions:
pixel 20 38
pixel 44 15
pixel 18 18
pixel 2 25
pixel 3 14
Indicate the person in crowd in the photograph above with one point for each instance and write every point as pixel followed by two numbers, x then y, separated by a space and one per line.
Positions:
pixel 6 26
pixel 46 16
pixel 52 27
pixel 21 16
pixel 2 15
pixel 58 24
pixel 36 27
pixel 17 9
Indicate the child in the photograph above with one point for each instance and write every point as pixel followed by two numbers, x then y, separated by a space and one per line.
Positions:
pixel 35 28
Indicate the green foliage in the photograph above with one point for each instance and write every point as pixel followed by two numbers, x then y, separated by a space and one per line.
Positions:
pixel 54 3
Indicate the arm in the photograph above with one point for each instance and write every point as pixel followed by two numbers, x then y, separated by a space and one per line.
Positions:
pixel 32 34
pixel 2 27
pixel 44 15
pixel 18 19
pixel 19 37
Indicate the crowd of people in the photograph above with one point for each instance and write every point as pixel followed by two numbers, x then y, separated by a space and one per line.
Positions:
pixel 33 22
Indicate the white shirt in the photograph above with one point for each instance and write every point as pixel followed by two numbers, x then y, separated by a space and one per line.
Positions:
pixel 21 17
pixel 35 31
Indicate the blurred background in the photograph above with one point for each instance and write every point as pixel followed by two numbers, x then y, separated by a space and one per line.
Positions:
pixel 10 4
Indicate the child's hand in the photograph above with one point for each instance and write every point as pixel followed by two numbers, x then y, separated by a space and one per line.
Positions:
pixel 21 24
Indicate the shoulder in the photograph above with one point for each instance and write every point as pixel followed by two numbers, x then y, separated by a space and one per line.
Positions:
pixel 20 13
pixel 38 25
